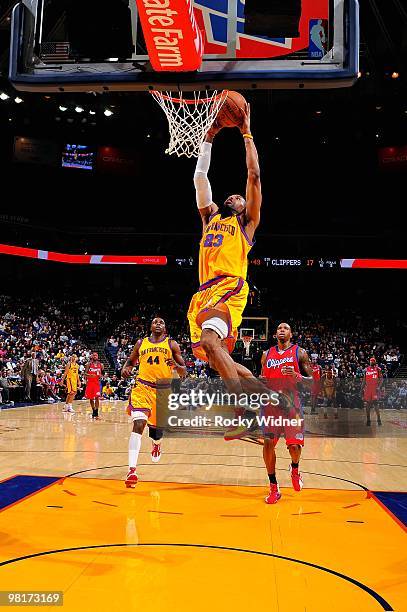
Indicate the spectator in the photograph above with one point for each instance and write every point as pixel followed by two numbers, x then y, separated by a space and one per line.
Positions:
pixel 108 392
pixel 29 374
pixel 5 388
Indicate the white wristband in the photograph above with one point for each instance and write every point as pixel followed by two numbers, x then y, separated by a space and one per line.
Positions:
pixel 202 185
pixel 204 159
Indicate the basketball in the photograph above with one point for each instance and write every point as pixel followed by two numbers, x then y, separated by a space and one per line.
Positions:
pixel 230 114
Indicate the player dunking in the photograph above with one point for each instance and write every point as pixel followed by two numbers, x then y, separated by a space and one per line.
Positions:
pixel 215 311
pixel 157 356
pixel 372 382
pixel 93 374
pixel 284 366
pixel 73 383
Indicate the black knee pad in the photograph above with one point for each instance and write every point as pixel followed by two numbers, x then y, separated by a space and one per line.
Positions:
pixel 155 433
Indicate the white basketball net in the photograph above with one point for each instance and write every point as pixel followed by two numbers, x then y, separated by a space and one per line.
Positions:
pixel 246 343
pixel 189 119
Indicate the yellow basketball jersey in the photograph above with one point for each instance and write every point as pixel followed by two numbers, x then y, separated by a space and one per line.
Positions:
pixel 223 249
pixel 73 370
pixel 152 357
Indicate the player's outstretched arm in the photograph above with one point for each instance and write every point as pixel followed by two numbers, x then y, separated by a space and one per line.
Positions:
pixel 131 361
pixel 206 206
pixel 253 187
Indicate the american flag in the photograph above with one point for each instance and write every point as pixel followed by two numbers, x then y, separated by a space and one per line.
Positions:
pixel 55 52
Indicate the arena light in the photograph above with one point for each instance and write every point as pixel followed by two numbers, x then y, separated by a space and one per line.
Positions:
pixel 107 112
pixel 4 96
pixel 92 112
pixel 79 109
pixel 63 108
pixel 18 100
pixel 395 75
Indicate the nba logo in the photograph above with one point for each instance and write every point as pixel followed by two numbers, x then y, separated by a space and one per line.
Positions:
pixel 318 38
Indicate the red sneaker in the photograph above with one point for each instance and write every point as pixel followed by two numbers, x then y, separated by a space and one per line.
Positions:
pixel 156 453
pixel 131 478
pixel 296 479
pixel 274 494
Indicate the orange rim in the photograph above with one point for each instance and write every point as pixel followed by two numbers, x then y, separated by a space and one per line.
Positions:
pixel 224 93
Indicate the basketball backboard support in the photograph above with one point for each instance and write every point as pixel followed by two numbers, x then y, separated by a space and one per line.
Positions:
pixel 318 48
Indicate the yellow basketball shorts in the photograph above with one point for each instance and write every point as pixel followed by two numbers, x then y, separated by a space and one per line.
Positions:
pixel 72 385
pixel 228 294
pixel 143 398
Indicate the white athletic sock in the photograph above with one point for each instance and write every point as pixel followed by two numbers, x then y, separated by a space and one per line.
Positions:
pixel 134 448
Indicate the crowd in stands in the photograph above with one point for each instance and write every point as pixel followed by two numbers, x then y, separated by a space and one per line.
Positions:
pixel 347 352
pixel 347 349
pixel 37 338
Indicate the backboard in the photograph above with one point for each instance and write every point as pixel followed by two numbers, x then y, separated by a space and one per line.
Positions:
pixel 285 44
pixel 255 327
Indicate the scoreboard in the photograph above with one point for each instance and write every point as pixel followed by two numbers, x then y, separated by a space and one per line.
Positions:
pixel 308 263
pixel 261 262
pixel 296 263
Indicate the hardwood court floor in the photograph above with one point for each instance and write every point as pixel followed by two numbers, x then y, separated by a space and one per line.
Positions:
pixel 196 534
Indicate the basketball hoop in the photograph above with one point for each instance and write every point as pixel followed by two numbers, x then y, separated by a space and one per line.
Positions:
pixel 246 343
pixel 189 119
